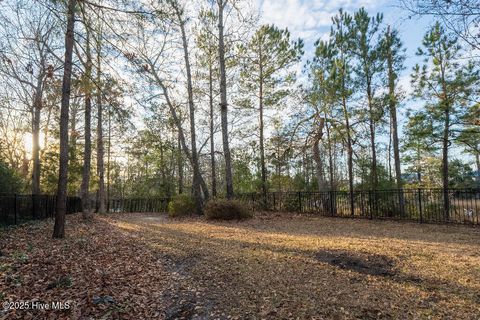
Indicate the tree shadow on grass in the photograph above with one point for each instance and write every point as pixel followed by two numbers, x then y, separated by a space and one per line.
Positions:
pixel 198 248
pixel 314 225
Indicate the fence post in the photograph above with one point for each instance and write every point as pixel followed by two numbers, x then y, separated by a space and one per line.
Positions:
pixel 300 200
pixel 33 206
pixel 420 204
pixel 370 202
pixel 15 209
pixel 446 204
pixel 330 193
pixel 352 203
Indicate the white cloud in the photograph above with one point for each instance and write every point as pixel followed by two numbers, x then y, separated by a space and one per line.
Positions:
pixel 405 84
pixel 306 19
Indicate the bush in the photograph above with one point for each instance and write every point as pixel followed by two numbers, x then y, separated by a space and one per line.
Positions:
pixel 181 205
pixel 10 182
pixel 292 203
pixel 223 209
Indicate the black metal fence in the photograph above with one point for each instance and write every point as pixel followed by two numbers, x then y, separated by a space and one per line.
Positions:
pixel 422 205
pixel 17 208
pixel 138 205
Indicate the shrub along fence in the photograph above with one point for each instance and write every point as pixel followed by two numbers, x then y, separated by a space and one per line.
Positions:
pixel 422 205
pixel 20 208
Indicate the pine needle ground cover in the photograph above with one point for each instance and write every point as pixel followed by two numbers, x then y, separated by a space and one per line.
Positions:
pixel 149 266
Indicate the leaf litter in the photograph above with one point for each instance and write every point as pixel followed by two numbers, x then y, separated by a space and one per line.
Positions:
pixel 147 266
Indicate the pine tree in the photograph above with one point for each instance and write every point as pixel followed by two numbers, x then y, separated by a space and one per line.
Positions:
pixel 343 84
pixel 365 47
pixel 445 84
pixel 61 209
pixel 393 54
pixel 267 75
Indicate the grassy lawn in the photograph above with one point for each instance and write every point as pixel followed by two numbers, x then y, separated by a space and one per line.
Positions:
pixel 147 266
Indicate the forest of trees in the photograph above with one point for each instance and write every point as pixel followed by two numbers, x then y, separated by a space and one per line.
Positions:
pixel 110 99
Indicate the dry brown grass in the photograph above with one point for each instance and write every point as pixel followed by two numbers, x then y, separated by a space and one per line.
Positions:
pixel 273 266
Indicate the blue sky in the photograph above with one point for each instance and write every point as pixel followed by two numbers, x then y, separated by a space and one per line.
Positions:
pixel 311 20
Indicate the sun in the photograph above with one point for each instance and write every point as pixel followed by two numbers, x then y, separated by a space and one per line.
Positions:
pixel 28 143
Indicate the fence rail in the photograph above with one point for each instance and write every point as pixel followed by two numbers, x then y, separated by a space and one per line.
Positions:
pixel 422 205
pixel 20 208
pixel 138 205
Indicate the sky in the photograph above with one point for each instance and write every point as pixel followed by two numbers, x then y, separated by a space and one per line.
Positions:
pixel 311 20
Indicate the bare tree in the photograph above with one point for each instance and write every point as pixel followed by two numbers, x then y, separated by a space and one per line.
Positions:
pixel 100 145
pixel 223 99
pixel 59 227
pixel 87 89
pixel 179 13
pixel 28 34
pixel 462 17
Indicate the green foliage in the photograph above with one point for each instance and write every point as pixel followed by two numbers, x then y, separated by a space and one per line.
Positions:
pixel 49 170
pixel 460 175
pixel 385 181
pixel 181 205
pixel 448 87
pixel 243 178
pixel 63 282
pixel 292 203
pixel 281 182
pixel 268 58
pixel 152 167
pixel 445 84
pixel 20 256
pixel 469 137
pixel 418 142
pixel 222 209
pixel 10 181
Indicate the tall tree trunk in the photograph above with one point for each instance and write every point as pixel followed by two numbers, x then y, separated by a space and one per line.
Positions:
pixel 477 160
pixel 331 166
pixel 180 167
pixel 374 177
pixel 392 105
pixel 109 152
pixel 46 130
pixel 87 153
pixel 37 106
pixel 178 124
pixel 223 101
pixel 197 192
pixel 212 133
pixel 418 166
pixel 317 158
pixel 446 142
pixel 262 147
pixel 389 150
pixel 349 156
pixel 59 227
pixel 100 147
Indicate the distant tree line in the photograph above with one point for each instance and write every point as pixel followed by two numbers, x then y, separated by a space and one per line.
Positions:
pixel 112 99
